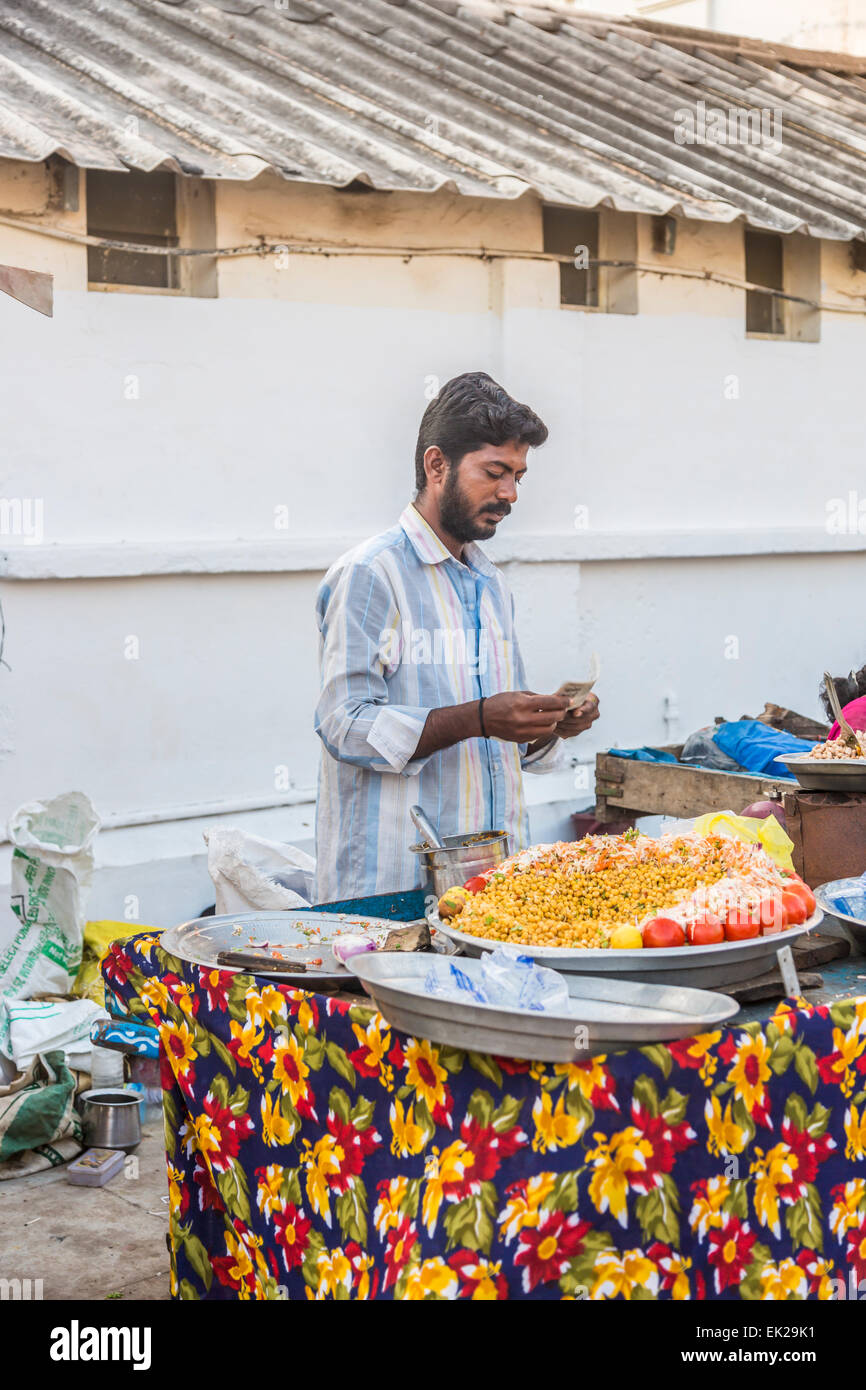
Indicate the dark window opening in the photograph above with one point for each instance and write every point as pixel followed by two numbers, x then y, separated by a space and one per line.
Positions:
pixel 132 207
pixel 764 266
pixel 574 233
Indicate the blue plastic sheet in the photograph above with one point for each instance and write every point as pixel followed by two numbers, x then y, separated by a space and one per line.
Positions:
pixel 755 746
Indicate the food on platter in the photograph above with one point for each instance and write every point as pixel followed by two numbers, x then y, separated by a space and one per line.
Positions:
pixel 631 891
pixel 451 902
pixel 837 750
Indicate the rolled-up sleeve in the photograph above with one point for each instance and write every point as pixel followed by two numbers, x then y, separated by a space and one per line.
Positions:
pixel 359 626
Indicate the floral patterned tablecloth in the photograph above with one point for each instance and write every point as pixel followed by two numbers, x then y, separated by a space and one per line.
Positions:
pixel 315 1152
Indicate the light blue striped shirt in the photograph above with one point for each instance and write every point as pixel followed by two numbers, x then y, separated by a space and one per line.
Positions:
pixel 405 628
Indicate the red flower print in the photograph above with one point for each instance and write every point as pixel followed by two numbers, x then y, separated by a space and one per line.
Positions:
pixel 208 1193
pixel 351 1149
pixel 292 1232
pixel 666 1141
pixel 856 1255
pixel 399 1246
pixel 216 986
pixel 730 1251
pixel 116 965
pixel 512 1066
pixel 486 1150
pixel 479 1278
pixel 219 1133
pixel 545 1250
pixel 808 1152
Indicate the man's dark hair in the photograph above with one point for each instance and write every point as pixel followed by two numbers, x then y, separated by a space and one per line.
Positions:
pixel 470 411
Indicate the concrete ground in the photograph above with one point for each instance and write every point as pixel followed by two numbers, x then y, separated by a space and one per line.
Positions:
pixel 91 1242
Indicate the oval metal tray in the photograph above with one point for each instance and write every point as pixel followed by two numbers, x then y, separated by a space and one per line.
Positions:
pixel 832 775
pixel 614 1013
pixel 701 967
pixel 299 931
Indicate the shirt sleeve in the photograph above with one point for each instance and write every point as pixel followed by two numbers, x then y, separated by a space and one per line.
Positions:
pixel 551 757
pixel 359 625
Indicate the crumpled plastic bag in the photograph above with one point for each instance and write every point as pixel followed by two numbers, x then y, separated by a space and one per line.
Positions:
pixel 503 976
pixel 768 832
pixel 252 874
pixel 52 864
pixel 38 1026
pixel 37 1108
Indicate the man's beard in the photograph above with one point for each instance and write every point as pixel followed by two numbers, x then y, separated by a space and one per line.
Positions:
pixel 459 519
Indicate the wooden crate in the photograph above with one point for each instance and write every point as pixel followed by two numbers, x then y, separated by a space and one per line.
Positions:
pixel 625 787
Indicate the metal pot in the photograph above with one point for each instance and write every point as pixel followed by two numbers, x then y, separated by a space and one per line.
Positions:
pixel 112 1119
pixel 462 858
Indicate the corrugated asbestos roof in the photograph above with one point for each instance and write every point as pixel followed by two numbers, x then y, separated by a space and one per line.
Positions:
pixel 485 98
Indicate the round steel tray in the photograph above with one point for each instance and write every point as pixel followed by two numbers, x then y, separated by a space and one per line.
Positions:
pixel 612 1013
pixel 700 967
pixel 834 775
pixel 299 930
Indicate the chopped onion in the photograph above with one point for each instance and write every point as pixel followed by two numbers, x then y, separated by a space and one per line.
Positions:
pixel 347 945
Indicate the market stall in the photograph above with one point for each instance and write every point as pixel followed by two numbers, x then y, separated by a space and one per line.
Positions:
pixel 315 1151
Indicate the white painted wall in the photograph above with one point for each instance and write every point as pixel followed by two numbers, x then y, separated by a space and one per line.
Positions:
pixel 706 521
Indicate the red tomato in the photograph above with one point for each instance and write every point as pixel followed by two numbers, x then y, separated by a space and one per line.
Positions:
pixel 476 884
pixel 741 924
pixel 705 930
pixel 770 915
pixel 796 885
pixel 663 931
pixel 795 907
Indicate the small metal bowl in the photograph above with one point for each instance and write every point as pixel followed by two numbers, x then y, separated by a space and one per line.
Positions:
pixel 463 857
pixel 111 1118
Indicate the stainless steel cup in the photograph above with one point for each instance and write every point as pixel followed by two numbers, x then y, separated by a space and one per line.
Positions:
pixel 462 858
pixel 111 1119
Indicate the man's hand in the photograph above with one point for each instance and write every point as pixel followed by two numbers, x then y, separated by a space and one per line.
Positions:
pixel 523 717
pixel 580 719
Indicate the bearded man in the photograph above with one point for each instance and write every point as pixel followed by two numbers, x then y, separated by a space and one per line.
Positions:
pixel 423 692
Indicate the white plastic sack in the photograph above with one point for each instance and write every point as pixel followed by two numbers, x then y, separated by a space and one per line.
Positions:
pixel 52 864
pixel 50 1025
pixel 252 874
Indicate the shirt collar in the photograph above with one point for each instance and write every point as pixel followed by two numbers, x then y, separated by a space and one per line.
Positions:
pixel 432 551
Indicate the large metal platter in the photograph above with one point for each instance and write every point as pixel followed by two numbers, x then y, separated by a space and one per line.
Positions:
pixel 828 896
pixel 303 935
pixel 700 967
pixel 614 1013
pixel 830 775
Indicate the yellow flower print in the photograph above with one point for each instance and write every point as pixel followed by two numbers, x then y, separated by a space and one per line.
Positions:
pixel 483 1278
pixel 849 1045
pixel 522 1208
pixel 408 1137
pixel 855 1132
pixel 618 1275
pixel 334 1269
pixel 321 1160
pixel 554 1127
pixel 179 1045
pixel 268 1193
pixel 387 1212
pixel 784 1280
pixel 425 1073
pixel 155 995
pixel 589 1076
pixel 249 1038
pixel 615 1160
pixel 432 1277
pixel 276 1129
pixel 449 1166
pixel 144 945
pixel 773 1169
pixel 376 1043
pixel 677 1267
pixel 701 1046
pixel 175 1190
pixel 725 1135
pixel 290 1069
pixel 751 1071
pixel 706 1213
pixel 844 1213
